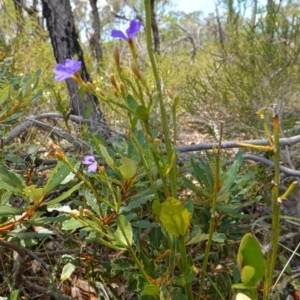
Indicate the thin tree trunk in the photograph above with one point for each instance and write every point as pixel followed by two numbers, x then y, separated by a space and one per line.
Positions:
pixel 64 39
pixel 254 12
pixel 96 38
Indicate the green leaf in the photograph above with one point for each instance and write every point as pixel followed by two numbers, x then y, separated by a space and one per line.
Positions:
pixel 230 176
pixel 156 207
pixel 124 231
pixel 10 211
pixel 67 271
pixel 144 224
pixel 142 113
pixel 34 193
pixel 88 110
pixel 132 104
pixel 148 263
pixel 72 224
pixel 4 94
pixel 219 237
pixel 92 201
pixel 187 277
pixel 59 173
pixel 14 295
pixel 250 258
pixel 106 156
pixel 137 201
pixel 174 217
pixel 197 239
pixel 128 168
pixel 204 175
pixel 151 290
pixel 11 181
pixel 64 195
pixel 247 274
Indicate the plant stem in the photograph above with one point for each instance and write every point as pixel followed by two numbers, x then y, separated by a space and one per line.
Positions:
pixel 164 118
pixel 185 266
pixel 272 255
pixel 213 215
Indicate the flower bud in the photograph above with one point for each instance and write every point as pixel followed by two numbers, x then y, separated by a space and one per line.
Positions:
pixel 113 81
pixel 122 86
pixel 89 86
pixel 55 151
pixel 116 55
pixel 137 73
pixel 170 93
pixel 100 92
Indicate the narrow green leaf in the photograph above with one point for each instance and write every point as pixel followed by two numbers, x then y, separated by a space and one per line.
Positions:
pixel 124 231
pixel 12 180
pixel 63 196
pixel 4 93
pixel 10 211
pixel 106 156
pixel 58 174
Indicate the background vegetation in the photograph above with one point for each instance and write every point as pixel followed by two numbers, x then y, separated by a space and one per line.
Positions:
pixel 224 66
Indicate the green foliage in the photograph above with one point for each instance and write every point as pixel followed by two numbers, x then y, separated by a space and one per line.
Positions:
pixel 251 263
pixel 160 228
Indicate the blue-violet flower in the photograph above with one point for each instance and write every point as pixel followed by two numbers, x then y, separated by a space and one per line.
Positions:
pixel 67 70
pixel 131 31
pixel 91 162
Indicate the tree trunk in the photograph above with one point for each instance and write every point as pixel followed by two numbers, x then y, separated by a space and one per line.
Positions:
pixel 95 40
pixel 64 39
pixel 154 28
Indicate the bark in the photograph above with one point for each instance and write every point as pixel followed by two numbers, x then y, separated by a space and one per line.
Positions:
pixel 154 28
pixel 95 40
pixel 254 13
pixel 64 39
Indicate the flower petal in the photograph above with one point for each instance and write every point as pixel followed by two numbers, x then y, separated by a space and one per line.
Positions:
pixel 133 28
pixel 67 70
pixel 88 160
pixel 73 65
pixel 118 34
pixel 92 168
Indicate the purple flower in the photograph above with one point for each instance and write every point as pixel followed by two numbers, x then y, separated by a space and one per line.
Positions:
pixel 131 31
pixel 91 162
pixel 67 70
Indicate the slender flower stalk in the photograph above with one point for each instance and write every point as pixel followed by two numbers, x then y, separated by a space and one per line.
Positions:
pixel 128 35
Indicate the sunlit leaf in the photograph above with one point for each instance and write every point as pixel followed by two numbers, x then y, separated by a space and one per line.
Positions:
pixel 128 168
pixel 174 217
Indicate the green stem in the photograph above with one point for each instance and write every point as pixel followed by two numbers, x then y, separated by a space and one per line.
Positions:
pixel 185 266
pixel 212 224
pixel 89 185
pixel 158 84
pixel 272 255
pixel 253 294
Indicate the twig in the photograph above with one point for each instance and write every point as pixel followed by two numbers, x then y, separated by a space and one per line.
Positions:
pixel 234 144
